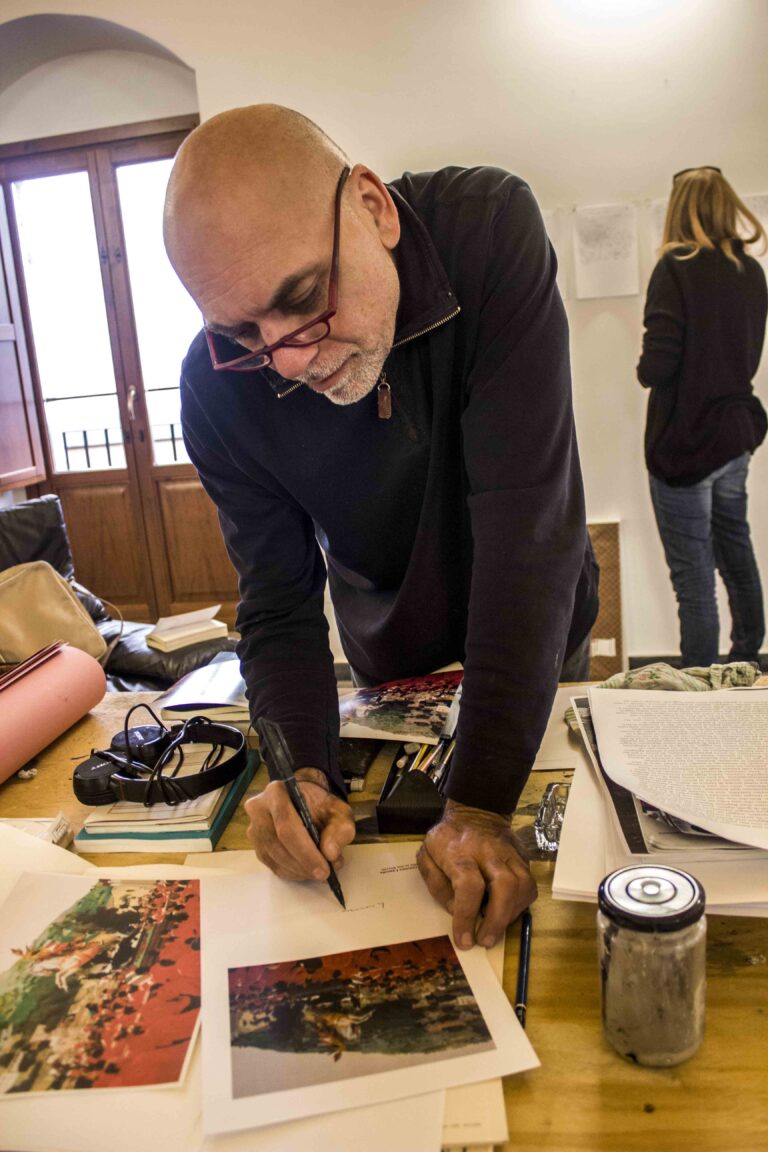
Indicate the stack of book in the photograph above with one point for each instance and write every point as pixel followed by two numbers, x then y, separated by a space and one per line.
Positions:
pixel 193 826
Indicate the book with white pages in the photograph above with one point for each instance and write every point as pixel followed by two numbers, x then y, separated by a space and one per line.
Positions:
pixel 172 632
pixel 644 829
pixel 591 847
pixel 216 690
pixel 188 816
pixel 698 757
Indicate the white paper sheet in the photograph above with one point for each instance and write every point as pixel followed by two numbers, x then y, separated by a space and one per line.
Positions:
pixel 699 756
pixel 88 962
pixel 589 851
pixel 605 251
pixel 581 859
pixel 322 1089
pixel 389 871
pixel 169 1119
pixel 558 751
pixel 21 852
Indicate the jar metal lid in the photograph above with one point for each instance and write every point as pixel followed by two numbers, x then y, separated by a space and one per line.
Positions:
pixel 651 898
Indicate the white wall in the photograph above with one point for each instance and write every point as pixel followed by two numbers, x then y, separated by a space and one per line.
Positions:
pixel 94 90
pixel 592 101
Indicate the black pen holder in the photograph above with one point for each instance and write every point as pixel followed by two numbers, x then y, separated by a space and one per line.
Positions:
pixel 409 802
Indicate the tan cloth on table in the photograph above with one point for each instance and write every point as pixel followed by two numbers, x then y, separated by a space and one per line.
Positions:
pixel 665 678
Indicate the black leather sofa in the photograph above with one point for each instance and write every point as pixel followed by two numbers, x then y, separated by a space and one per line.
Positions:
pixel 35 530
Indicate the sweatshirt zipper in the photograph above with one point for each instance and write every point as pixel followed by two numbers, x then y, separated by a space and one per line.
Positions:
pixel 384 391
pixel 430 328
pixel 287 391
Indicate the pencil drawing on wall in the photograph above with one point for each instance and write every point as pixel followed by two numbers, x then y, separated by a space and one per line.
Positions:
pixel 99 982
pixel 412 709
pixel 311 1021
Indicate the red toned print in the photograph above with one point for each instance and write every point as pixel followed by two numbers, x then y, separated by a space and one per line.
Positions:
pixel 308 1021
pixel 108 995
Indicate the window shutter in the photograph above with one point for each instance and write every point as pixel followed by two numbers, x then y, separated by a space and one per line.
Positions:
pixel 21 449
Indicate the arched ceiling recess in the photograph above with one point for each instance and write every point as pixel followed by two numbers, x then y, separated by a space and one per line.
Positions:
pixel 30 41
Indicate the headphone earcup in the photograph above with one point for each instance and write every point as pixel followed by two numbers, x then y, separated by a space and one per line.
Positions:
pixel 144 744
pixel 91 781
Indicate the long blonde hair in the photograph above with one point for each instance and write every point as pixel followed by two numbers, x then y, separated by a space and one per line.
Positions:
pixel 705 212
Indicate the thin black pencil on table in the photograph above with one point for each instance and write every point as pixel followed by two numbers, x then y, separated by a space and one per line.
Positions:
pixel 281 764
pixel 523 966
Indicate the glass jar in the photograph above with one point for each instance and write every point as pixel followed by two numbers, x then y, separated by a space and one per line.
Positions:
pixel 651 933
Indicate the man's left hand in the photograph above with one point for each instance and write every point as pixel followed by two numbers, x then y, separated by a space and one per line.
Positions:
pixel 471 852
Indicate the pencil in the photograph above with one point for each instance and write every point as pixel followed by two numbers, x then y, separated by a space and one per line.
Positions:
pixel 523 964
pixel 282 767
pixel 438 771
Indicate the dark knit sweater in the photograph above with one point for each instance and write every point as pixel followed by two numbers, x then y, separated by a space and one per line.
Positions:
pixel 453 531
pixel 704 328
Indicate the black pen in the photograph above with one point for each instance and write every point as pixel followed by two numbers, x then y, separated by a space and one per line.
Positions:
pixel 282 767
pixel 523 964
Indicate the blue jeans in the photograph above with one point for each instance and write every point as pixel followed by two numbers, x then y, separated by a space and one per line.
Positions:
pixel 702 527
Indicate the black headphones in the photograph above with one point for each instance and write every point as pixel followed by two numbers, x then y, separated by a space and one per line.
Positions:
pixel 132 768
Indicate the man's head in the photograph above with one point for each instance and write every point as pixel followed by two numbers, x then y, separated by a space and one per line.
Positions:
pixel 249 228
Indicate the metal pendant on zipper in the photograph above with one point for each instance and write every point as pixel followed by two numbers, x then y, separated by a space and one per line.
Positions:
pixel 384 397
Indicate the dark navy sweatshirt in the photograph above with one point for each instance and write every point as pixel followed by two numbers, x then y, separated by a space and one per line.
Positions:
pixel 453 531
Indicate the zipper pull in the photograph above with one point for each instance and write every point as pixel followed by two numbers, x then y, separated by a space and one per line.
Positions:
pixel 384 398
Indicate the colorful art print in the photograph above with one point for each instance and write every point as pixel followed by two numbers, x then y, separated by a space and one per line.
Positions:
pixel 413 709
pixel 107 995
pixel 310 1021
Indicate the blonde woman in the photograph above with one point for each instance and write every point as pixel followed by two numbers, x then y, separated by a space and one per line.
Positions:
pixel 705 316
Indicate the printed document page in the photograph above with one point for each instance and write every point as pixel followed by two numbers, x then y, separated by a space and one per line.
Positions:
pixel 699 756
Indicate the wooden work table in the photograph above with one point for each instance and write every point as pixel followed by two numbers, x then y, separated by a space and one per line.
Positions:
pixel 584 1096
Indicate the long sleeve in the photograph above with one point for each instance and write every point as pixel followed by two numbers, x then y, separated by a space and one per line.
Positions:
pixel 284 650
pixel 527 512
pixel 663 339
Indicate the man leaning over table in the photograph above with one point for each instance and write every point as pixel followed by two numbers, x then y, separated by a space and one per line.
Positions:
pixel 383 377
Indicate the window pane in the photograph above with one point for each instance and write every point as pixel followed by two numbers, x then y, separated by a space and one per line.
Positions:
pixel 167 319
pixel 60 259
pixel 85 435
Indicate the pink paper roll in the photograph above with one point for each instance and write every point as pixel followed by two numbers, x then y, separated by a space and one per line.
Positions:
pixel 45 703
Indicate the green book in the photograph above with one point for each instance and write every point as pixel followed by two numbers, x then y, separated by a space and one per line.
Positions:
pixel 153 840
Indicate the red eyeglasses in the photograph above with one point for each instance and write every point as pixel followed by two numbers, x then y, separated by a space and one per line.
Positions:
pixel 311 333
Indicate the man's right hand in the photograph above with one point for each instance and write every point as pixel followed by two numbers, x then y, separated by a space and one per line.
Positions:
pixel 280 839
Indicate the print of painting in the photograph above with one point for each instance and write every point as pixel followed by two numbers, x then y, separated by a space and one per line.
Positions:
pixel 307 1022
pixel 104 990
pixel 413 709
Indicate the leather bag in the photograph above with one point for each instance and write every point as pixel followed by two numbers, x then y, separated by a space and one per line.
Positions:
pixel 39 607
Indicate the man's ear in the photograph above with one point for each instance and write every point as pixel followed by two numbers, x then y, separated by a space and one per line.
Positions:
pixel 375 204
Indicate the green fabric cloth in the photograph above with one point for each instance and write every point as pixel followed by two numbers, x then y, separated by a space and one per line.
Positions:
pixel 665 678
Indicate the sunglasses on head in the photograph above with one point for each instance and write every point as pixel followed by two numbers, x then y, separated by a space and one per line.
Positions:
pixel 698 168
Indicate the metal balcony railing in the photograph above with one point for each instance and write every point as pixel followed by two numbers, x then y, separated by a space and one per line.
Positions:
pixel 88 443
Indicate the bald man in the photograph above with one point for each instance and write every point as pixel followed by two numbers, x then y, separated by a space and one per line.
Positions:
pixel 383 378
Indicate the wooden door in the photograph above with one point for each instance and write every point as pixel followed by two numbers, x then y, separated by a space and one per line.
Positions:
pixel 109 325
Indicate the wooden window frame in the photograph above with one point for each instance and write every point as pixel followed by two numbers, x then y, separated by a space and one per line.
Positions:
pixel 48 155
